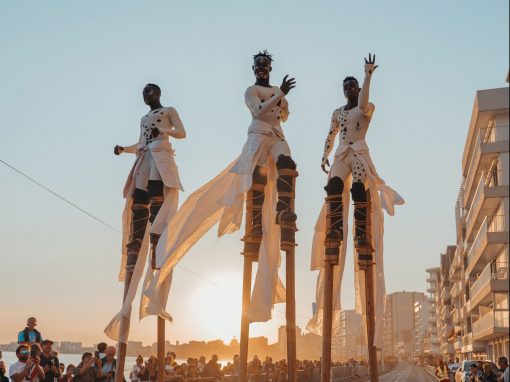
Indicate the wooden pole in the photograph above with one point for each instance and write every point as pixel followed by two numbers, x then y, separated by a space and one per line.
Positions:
pixel 366 264
pixel 327 322
pixel 291 314
pixel 161 349
pixel 245 324
pixel 122 346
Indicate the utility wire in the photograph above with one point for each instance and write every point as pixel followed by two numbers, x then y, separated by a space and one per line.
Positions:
pixel 89 214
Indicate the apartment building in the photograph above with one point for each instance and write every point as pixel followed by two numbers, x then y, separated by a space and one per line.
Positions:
pixel 431 344
pixel 479 269
pixel 349 341
pixel 421 322
pixel 444 306
pixel 398 334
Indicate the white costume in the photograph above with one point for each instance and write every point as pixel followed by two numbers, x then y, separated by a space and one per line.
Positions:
pixel 222 200
pixel 352 162
pixel 154 161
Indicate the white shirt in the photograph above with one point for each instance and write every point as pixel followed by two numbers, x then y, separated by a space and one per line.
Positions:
pixel 136 369
pixel 18 367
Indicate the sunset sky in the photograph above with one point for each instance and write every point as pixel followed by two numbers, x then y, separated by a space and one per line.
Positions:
pixel 72 75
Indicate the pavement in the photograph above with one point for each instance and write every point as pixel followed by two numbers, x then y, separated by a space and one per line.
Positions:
pixel 406 372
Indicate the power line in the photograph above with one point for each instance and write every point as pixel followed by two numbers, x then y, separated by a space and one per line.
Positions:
pixel 74 205
pixel 60 197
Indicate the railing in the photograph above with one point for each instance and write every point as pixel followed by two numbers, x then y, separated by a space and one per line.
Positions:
pixel 493 271
pixel 485 135
pixel 495 319
pixel 494 223
pixel 492 178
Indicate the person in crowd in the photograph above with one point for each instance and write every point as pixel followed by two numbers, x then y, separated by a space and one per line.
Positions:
pixel 137 367
pixel 49 363
pixel 487 374
pixel 235 365
pixel 441 372
pixel 505 371
pixel 201 364
pixel 28 367
pixel 108 364
pixel 212 368
pixel 474 373
pixel 101 350
pixel 69 373
pixel 192 372
pixel 3 370
pixel 149 370
pixel 30 334
pixel 62 368
pixel 89 369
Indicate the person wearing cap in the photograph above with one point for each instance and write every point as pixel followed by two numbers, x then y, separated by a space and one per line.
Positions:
pixel 49 362
pixel 30 334
pixel 27 368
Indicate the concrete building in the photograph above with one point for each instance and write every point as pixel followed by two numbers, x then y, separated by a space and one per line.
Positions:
pixel 421 322
pixel 431 341
pixel 398 335
pixel 349 341
pixel 483 222
pixel 477 272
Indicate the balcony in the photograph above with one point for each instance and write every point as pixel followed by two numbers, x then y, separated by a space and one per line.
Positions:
pixel 455 267
pixel 485 150
pixel 457 344
pixel 494 278
pixel 456 288
pixel 489 191
pixel 457 318
pixel 431 288
pixel 489 240
pixel 493 324
pixel 445 296
pixel 469 346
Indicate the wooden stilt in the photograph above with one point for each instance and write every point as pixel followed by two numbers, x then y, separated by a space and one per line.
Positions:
pixel 245 325
pixel 327 322
pixel 122 346
pixel 291 315
pixel 161 349
pixel 366 264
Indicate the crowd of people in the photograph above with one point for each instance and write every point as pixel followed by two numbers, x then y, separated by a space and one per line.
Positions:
pixel 480 371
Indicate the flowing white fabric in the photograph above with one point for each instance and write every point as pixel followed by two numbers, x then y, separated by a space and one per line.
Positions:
pixel 222 201
pixel 382 197
pixel 118 328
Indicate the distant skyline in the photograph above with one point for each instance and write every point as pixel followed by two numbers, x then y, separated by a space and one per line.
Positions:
pixel 72 77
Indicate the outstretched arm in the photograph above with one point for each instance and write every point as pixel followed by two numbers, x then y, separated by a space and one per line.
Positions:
pixel 330 140
pixel 177 130
pixel 128 149
pixel 363 103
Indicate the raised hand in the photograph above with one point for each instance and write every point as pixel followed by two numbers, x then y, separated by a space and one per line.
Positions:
pixel 287 84
pixel 118 149
pixel 370 65
pixel 325 162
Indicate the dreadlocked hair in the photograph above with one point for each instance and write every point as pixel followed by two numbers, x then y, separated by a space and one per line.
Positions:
pixel 265 54
pixel 350 78
pixel 154 86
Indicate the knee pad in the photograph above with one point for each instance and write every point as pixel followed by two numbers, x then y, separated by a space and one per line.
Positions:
pixel 358 192
pixel 155 188
pixel 140 197
pixel 260 175
pixel 335 186
pixel 285 161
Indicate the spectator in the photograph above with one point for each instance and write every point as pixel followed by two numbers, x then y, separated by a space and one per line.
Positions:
pixel 212 368
pixel 192 372
pixel 62 368
pixel 49 363
pixel 201 364
pixel 68 376
pixel 235 365
pixel 488 375
pixel 442 372
pixel 30 334
pixel 101 350
pixel 474 373
pixel 27 368
pixel 134 375
pixel 108 364
pixel 3 378
pixel 89 369
pixel 149 372
pixel 505 371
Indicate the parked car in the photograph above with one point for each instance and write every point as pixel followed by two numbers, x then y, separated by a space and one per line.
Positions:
pixel 463 371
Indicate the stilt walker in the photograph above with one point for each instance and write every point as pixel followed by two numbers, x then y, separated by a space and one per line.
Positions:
pixel 352 167
pixel 151 192
pixel 263 179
